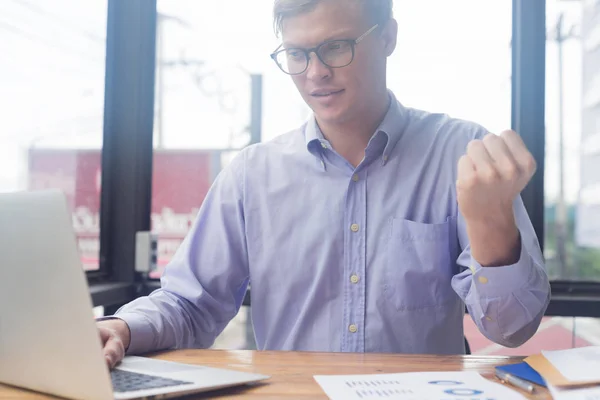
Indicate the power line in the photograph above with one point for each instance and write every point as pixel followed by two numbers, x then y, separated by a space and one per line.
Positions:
pixel 34 38
pixel 44 66
pixel 52 68
pixel 63 22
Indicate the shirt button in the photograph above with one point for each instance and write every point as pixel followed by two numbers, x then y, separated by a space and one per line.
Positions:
pixel 483 279
pixel 354 227
pixel 352 328
pixel 354 279
pixel 324 145
pixel 355 178
pixel 488 318
pixel 385 158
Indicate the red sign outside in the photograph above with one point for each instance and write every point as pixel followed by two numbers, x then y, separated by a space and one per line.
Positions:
pixel 180 182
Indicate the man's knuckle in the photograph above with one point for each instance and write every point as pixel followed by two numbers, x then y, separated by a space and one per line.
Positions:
pixel 530 163
pixel 490 138
pixel 510 171
pixel 489 176
pixel 508 133
pixel 474 146
pixel 470 182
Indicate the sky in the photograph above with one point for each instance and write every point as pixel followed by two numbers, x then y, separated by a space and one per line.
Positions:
pixel 452 57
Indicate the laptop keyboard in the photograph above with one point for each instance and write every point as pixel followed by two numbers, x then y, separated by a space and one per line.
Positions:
pixel 125 381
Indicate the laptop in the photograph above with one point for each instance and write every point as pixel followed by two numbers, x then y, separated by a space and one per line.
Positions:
pixel 49 342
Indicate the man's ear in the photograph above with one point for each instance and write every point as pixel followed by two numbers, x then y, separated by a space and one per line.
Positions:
pixel 389 35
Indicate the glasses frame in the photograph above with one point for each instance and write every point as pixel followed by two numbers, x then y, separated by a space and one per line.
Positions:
pixel 351 42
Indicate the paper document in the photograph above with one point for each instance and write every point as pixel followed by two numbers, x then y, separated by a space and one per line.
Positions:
pixel 578 365
pixel 591 393
pixel 415 386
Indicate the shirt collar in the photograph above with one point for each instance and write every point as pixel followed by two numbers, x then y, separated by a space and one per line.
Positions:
pixel 392 125
pixel 314 137
pixel 391 128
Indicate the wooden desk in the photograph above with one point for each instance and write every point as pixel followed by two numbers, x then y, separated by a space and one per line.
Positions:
pixel 292 372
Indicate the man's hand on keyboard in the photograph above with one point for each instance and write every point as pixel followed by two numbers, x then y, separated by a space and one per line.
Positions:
pixel 115 337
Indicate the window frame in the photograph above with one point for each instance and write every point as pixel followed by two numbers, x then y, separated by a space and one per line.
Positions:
pixel 127 148
pixel 569 298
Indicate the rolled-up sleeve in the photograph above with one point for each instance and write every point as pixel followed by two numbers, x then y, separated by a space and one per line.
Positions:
pixel 204 285
pixel 508 302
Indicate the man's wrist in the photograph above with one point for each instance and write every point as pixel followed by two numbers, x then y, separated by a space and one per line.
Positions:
pixel 495 241
pixel 118 325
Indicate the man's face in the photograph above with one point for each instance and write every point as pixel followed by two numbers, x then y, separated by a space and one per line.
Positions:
pixel 337 95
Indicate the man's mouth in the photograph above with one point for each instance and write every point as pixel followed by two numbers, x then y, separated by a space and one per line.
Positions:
pixel 326 93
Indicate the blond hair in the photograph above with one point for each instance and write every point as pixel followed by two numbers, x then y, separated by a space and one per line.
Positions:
pixel 380 11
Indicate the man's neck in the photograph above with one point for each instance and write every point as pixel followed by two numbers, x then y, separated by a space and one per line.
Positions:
pixel 350 138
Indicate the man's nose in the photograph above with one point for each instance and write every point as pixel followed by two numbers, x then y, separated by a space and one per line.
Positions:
pixel 316 69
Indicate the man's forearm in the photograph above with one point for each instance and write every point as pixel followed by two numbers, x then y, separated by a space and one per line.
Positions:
pixel 495 241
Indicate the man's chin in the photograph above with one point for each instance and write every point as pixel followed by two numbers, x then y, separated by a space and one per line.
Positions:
pixel 330 116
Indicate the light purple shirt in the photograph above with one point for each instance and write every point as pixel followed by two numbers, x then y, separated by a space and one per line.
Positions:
pixel 368 259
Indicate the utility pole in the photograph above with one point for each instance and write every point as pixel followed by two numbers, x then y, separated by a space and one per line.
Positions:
pixel 161 64
pixel 561 219
pixel 256 108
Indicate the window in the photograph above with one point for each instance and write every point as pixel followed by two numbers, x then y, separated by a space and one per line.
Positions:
pixel 52 79
pixel 450 61
pixel 572 202
pixel 572 182
pixel 212 97
pixel 572 249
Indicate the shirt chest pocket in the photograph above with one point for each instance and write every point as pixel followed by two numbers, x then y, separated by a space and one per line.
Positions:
pixel 421 259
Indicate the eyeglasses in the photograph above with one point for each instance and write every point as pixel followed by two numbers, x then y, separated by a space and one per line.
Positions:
pixel 332 53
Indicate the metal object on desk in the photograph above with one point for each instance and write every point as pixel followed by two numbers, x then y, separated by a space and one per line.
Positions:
pixel 513 380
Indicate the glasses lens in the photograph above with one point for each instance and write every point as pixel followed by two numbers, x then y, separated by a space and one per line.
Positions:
pixel 337 53
pixel 292 61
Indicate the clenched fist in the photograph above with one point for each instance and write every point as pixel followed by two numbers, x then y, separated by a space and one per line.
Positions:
pixel 491 174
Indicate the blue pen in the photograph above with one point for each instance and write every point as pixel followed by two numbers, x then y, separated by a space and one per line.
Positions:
pixel 513 380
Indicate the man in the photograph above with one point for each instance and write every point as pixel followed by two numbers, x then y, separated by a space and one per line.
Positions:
pixel 364 230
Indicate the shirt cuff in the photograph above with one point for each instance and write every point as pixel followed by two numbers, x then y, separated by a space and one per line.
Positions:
pixel 98 319
pixel 142 334
pixel 503 280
